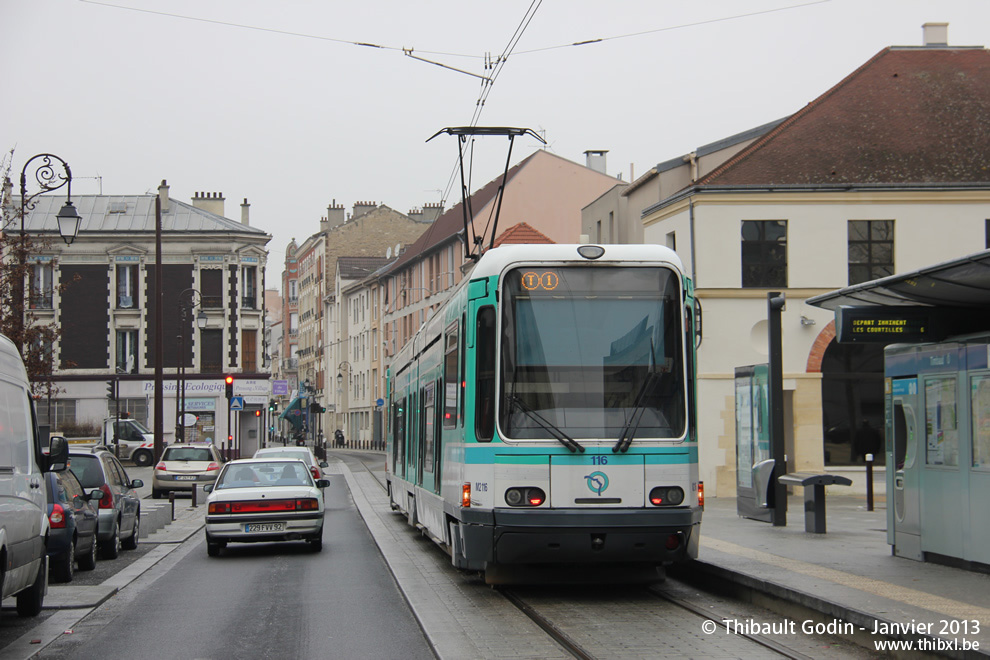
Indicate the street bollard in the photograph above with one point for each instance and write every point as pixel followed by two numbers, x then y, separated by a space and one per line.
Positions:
pixel 171 500
pixel 194 489
pixel 869 482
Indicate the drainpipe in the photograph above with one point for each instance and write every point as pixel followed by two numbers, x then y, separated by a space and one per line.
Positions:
pixel 694 270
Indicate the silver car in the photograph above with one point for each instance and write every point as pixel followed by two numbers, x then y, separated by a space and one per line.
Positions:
pixel 120 507
pixel 184 466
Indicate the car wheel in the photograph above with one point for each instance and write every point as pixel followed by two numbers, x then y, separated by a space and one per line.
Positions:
pixel 62 568
pixel 156 494
pixel 110 548
pixel 30 600
pixel 316 544
pixel 131 542
pixel 141 458
pixel 88 562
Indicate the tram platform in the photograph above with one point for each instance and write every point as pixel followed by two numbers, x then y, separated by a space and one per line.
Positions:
pixel 845 575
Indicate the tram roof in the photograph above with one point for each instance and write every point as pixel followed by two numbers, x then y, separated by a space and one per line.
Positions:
pixel 962 282
pixel 496 260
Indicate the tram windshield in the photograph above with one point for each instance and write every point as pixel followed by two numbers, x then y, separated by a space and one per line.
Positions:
pixel 593 352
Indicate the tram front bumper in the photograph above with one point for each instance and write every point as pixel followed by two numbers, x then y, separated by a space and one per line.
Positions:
pixel 654 536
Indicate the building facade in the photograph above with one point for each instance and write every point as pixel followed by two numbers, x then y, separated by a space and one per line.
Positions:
pixel 100 292
pixel 883 173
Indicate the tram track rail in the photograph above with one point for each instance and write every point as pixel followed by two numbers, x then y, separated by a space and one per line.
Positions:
pixel 577 650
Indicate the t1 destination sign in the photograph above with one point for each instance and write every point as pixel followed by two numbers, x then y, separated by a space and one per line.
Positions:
pixel 884 325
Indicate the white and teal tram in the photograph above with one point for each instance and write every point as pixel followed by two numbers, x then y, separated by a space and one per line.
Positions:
pixel 545 414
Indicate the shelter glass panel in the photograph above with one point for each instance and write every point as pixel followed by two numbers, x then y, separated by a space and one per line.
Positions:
pixel 980 388
pixel 941 424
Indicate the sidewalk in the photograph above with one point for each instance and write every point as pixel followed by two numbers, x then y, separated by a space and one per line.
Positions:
pixel 847 573
pixel 188 521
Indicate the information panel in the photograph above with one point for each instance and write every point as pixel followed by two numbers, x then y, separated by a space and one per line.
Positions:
pixel 884 325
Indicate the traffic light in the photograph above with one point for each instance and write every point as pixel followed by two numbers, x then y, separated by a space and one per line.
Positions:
pixel 111 390
pixel 257 413
pixel 271 405
pixel 229 380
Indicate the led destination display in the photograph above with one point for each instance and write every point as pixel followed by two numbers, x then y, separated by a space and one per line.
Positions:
pixel 884 325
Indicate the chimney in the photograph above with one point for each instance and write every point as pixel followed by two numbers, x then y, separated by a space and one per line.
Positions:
pixel 431 212
pixel 416 215
pixel 245 208
pixel 163 195
pixel 936 34
pixel 596 160
pixel 360 208
pixel 335 216
pixel 209 202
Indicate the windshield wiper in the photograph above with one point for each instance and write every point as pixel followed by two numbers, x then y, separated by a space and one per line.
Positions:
pixel 562 437
pixel 629 430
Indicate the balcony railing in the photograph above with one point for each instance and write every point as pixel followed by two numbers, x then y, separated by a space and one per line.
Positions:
pixel 212 302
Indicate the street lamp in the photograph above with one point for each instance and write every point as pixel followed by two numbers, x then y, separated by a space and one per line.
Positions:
pixel 186 302
pixel 48 179
pixel 342 408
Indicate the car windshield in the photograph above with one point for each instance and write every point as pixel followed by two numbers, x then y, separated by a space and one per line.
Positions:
pixel 187 454
pixel 285 453
pixel 588 352
pixel 275 474
pixel 140 427
pixel 87 470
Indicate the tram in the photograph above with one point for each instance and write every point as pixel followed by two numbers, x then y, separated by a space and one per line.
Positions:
pixel 544 416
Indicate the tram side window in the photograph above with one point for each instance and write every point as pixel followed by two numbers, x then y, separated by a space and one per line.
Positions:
pixel 484 409
pixel 981 421
pixel 451 383
pixel 942 438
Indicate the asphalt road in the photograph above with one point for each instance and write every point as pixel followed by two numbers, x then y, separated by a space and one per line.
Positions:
pixel 260 601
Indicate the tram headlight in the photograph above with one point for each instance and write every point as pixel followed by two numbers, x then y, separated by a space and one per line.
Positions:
pixel 666 496
pixel 513 497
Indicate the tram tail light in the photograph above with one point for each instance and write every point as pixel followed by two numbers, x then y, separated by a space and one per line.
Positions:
pixel 666 496
pixel 701 494
pixel 466 495
pixel 530 496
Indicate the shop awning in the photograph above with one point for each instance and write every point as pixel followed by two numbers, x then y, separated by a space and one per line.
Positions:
pixel 293 413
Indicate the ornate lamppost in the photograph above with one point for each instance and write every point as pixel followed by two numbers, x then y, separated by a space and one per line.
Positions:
pixel 187 302
pixel 48 178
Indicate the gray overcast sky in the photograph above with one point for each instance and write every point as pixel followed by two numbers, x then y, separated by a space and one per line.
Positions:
pixel 272 100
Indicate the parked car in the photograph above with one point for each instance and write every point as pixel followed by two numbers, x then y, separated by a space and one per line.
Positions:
pixel 264 500
pixel 120 506
pixel 184 465
pixel 304 454
pixel 24 523
pixel 73 516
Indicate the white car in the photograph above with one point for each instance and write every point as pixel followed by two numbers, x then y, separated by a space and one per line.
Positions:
pixel 304 454
pixel 259 500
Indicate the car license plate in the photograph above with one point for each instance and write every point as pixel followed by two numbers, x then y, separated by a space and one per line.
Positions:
pixel 265 527
pixel 185 477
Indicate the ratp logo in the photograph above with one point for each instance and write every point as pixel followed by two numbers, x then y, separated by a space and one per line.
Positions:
pixel 597 482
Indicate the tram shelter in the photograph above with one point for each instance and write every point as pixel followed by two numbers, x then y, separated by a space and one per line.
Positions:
pixel 935 326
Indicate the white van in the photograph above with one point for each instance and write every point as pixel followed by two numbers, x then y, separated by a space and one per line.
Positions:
pixel 23 499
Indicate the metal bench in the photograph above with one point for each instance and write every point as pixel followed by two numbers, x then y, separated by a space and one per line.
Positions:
pixel 814 495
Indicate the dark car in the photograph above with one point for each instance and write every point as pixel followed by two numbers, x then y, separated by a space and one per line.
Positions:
pixel 73 518
pixel 120 507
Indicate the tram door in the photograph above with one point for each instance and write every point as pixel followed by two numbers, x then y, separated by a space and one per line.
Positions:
pixel 904 468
